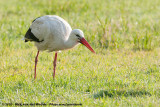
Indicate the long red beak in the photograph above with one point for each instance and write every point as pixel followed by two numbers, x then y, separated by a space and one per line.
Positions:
pixel 85 43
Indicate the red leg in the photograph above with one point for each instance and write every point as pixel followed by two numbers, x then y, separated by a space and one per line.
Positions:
pixel 54 64
pixel 36 60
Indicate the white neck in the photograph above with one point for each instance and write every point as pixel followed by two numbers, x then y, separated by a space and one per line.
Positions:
pixel 71 41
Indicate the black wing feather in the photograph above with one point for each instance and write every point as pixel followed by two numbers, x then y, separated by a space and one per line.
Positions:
pixel 29 36
pixel 35 19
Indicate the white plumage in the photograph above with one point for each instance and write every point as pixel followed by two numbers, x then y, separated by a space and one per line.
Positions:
pixel 53 33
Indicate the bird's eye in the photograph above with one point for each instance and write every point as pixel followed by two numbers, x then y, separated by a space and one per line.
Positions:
pixel 78 36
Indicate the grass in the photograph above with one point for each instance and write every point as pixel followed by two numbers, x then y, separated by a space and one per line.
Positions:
pixel 124 72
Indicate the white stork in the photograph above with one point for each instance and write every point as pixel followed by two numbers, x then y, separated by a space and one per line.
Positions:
pixel 52 33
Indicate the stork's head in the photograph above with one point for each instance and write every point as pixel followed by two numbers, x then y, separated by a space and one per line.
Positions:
pixel 78 36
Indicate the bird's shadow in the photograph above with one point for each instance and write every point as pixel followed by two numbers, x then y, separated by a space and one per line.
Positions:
pixel 126 93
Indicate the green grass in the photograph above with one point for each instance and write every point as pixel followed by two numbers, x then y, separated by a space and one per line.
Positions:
pixel 125 71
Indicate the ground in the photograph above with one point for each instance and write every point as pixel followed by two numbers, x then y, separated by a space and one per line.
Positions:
pixel 125 71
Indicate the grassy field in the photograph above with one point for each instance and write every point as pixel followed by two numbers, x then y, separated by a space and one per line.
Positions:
pixel 125 71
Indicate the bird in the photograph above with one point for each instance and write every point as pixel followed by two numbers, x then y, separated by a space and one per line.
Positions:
pixel 53 33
